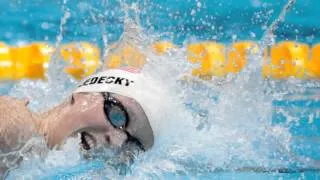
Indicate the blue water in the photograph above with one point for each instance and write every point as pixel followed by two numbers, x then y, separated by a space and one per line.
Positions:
pixel 181 21
pixel 176 20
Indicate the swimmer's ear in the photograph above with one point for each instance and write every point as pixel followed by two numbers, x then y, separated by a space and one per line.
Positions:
pixel 74 97
pixel 26 102
pixel 72 100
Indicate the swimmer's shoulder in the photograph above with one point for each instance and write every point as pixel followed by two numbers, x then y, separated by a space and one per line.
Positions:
pixel 11 107
pixel 16 121
pixel 15 131
pixel 8 100
pixel 13 110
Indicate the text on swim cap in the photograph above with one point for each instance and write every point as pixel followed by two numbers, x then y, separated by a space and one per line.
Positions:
pixel 107 80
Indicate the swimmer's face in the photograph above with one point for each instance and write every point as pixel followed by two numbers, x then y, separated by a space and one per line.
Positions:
pixel 99 131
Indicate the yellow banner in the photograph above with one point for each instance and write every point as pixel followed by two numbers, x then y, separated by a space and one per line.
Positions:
pixel 283 60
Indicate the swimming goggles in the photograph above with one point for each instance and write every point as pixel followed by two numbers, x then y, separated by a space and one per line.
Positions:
pixel 118 116
pixel 115 111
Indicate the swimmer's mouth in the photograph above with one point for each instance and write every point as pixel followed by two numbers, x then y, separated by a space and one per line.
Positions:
pixel 88 141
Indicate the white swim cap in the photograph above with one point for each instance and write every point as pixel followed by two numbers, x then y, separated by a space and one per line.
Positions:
pixel 131 83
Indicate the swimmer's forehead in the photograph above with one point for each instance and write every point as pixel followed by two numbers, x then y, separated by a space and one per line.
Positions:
pixel 123 99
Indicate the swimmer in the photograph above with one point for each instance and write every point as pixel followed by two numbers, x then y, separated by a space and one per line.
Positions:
pixel 106 110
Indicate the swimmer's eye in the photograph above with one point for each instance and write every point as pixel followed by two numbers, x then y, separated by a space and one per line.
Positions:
pixel 115 111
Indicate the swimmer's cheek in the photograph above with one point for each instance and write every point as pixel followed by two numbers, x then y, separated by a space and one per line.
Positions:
pixel 111 139
pixel 116 138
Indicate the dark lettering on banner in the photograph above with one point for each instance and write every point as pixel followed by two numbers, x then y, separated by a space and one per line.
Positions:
pixel 118 80
pixel 101 79
pixel 85 83
pixel 110 79
pixel 128 82
pixel 107 80
pixel 94 80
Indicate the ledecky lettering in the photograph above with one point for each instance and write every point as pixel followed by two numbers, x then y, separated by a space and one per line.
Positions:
pixel 107 80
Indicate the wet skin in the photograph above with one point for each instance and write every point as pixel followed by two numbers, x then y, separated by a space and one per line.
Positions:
pixel 82 113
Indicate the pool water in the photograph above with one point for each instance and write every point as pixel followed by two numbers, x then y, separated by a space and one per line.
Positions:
pixel 245 128
pixel 178 21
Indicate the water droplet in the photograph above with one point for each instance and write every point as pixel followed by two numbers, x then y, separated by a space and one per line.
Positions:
pixel 199 4
pixel 45 25
pixel 252 34
pixel 193 12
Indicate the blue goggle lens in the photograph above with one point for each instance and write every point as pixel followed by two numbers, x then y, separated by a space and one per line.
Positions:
pixel 117 116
